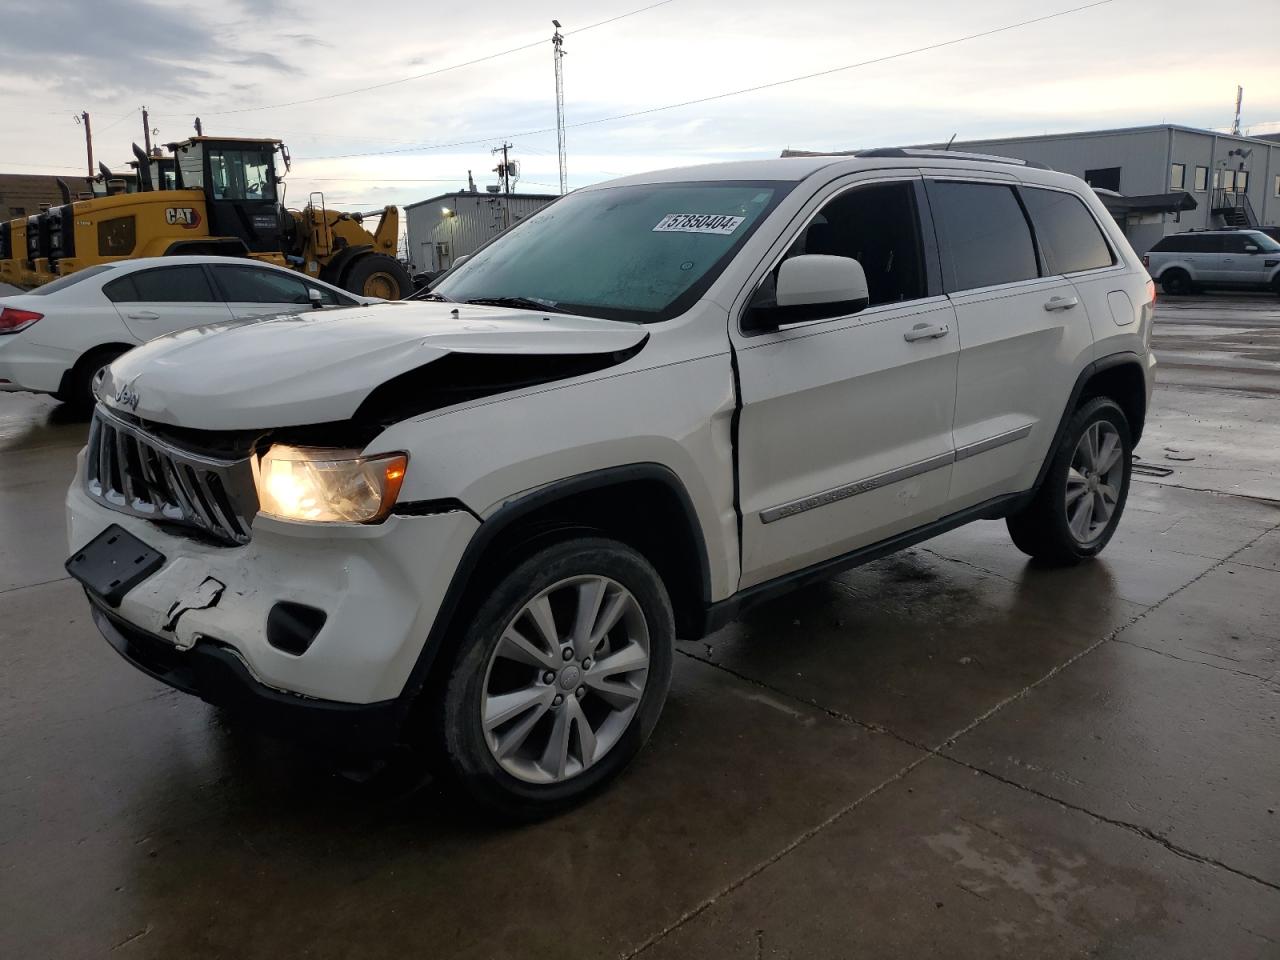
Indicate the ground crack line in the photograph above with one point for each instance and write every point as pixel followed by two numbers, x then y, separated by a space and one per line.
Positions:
pixel 929 752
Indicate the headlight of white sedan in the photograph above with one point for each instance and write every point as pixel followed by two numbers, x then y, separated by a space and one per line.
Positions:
pixel 328 486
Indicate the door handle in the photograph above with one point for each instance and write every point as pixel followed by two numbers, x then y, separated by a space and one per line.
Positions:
pixel 144 315
pixel 1061 303
pixel 926 331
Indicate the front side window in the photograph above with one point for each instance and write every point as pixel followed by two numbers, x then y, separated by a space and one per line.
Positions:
pixel 1263 242
pixel 643 252
pixel 184 284
pixel 253 285
pixel 1069 235
pixel 985 237
pixel 1202 179
pixel 878 226
pixel 241 174
pixel 1177 176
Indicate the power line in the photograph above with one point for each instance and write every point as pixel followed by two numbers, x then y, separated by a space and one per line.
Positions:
pixel 420 76
pixel 730 93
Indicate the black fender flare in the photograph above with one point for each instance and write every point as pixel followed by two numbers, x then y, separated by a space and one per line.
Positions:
pixel 512 512
pixel 1088 373
pixel 336 268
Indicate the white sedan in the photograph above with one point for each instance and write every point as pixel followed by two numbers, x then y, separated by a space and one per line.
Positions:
pixel 55 338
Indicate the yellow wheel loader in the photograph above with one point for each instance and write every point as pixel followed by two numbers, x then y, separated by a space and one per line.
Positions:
pixel 217 196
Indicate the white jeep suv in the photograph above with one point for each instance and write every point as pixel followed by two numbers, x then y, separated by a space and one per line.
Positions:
pixel 482 520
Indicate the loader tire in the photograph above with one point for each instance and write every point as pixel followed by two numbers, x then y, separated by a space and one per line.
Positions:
pixel 378 275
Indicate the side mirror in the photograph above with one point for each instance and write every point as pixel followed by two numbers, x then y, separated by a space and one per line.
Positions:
pixel 461 260
pixel 314 296
pixel 1250 248
pixel 811 286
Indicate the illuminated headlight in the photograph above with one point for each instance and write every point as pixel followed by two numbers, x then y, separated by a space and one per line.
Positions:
pixel 328 486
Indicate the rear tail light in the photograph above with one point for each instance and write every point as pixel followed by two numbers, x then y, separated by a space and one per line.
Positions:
pixel 12 319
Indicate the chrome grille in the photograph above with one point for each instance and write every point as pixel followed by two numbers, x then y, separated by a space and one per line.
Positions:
pixel 129 470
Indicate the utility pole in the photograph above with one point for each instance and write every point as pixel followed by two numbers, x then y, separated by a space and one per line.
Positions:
pixel 504 171
pixel 1235 126
pixel 199 128
pixel 88 140
pixel 557 46
pixel 146 130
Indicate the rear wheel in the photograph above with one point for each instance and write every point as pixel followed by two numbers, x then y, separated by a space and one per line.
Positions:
pixel 1275 285
pixel 378 275
pixel 1077 508
pixel 559 678
pixel 77 385
pixel 1176 283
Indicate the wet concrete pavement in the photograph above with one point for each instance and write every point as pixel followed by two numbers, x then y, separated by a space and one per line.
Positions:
pixel 949 752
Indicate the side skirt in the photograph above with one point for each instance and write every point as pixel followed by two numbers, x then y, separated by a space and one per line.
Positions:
pixel 725 611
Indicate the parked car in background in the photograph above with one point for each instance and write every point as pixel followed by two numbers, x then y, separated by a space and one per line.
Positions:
pixel 55 338
pixel 481 518
pixel 1184 263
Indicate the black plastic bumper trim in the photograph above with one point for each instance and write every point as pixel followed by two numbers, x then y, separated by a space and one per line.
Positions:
pixel 218 676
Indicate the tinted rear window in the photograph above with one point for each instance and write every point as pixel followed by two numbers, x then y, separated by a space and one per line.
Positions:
pixel 1069 236
pixel 985 236
pixel 53 286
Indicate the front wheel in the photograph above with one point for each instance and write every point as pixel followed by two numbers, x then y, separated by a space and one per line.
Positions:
pixel 559 679
pixel 378 275
pixel 1079 504
pixel 1176 283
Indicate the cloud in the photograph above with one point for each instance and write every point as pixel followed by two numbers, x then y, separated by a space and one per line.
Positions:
pixel 113 48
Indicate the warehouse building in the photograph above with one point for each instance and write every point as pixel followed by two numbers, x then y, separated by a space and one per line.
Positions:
pixel 25 194
pixel 454 225
pixel 1160 179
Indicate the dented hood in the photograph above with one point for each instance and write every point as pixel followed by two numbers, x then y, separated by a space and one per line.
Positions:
pixel 319 366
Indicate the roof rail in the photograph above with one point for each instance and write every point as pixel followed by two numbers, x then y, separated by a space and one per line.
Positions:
pixel 911 152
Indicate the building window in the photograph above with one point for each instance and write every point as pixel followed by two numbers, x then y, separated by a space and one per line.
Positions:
pixel 1229 181
pixel 1178 176
pixel 1242 181
pixel 15 212
pixel 1105 178
pixel 1277 186
pixel 1202 179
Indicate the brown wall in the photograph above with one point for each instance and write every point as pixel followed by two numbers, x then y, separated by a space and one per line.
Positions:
pixel 22 193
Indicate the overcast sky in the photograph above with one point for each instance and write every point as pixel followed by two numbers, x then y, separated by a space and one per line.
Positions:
pixel 1122 63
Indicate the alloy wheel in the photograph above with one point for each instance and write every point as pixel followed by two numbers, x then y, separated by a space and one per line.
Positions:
pixel 1094 480
pixel 565 679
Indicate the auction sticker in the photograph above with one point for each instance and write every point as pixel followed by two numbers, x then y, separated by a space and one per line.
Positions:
pixel 698 223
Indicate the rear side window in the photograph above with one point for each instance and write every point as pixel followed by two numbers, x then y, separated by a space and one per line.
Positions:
pixel 1069 236
pixel 1190 243
pixel 985 237
pixel 185 284
pixel 254 285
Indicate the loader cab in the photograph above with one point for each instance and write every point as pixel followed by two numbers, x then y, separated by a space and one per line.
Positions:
pixel 163 173
pixel 240 186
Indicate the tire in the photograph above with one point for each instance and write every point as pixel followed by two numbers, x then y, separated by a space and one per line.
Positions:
pixel 1048 529
pixel 77 386
pixel 1176 283
pixel 484 666
pixel 378 275
pixel 1275 284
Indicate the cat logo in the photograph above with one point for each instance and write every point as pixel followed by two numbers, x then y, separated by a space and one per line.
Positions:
pixel 182 216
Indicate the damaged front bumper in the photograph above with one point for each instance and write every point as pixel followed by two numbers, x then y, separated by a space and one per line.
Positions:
pixel 206 612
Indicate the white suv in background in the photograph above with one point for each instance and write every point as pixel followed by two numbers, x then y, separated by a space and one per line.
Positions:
pixel 55 338
pixel 481 521
pixel 1184 263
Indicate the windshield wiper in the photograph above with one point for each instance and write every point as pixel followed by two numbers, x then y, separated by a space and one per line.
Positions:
pixel 440 297
pixel 519 303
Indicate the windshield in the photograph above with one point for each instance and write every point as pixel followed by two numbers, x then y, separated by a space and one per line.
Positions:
pixel 642 253
pixel 1264 242
pixel 241 174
